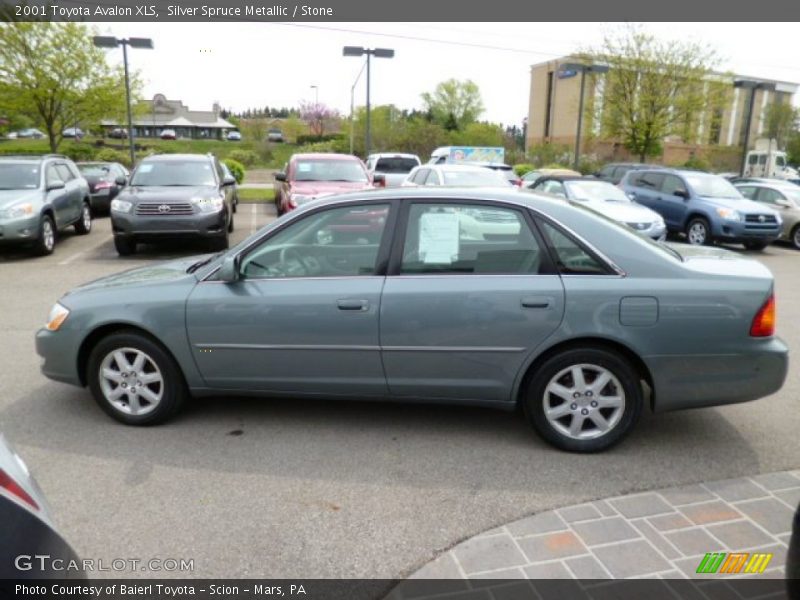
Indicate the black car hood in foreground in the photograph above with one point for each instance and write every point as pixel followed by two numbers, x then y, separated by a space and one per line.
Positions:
pixel 166 193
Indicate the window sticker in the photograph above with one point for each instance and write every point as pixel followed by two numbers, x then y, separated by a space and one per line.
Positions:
pixel 438 238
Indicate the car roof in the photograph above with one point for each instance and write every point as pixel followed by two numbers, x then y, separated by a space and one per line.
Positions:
pixel 32 157
pixel 393 155
pixel 324 156
pixel 472 168
pixel 569 178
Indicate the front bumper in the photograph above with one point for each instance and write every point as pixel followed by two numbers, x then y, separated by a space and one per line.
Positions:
pixel 700 380
pixel 19 230
pixel 738 232
pixel 152 228
pixel 59 351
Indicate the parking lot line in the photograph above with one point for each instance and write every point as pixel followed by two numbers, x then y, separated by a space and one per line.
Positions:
pixel 72 257
pixel 254 219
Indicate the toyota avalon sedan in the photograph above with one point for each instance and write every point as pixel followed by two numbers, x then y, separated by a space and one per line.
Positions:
pixel 569 315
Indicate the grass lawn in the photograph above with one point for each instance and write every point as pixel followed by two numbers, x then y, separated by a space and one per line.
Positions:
pixel 271 155
pixel 258 195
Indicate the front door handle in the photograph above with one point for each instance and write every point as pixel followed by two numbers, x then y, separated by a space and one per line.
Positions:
pixel 536 302
pixel 352 304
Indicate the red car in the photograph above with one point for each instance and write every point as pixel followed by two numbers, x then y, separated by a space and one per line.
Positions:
pixel 307 177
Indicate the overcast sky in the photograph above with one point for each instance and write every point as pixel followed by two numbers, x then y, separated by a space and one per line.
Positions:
pixel 245 65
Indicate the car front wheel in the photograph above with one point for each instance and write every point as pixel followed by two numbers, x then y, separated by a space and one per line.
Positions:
pixel 135 380
pixel 125 247
pixel 584 400
pixel 796 237
pixel 698 232
pixel 46 242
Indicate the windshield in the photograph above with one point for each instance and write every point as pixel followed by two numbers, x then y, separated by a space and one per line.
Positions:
pixel 19 176
pixel 94 170
pixel 395 165
pixel 712 186
pixel 595 190
pixel 329 170
pixel 475 178
pixel 174 173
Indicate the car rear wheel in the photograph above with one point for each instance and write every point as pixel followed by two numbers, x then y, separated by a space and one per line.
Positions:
pixel 46 242
pixel 134 380
pixel 584 400
pixel 84 225
pixel 698 232
pixel 125 247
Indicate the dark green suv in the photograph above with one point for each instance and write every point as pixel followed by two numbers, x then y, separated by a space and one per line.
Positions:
pixel 40 195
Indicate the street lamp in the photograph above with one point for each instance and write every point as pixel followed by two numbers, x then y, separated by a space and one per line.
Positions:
pixel 752 85
pixel 316 94
pixel 594 68
pixel 103 41
pixel 377 53
pixel 352 105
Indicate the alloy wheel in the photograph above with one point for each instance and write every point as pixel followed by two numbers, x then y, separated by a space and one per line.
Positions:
pixel 697 234
pixel 584 401
pixel 48 235
pixel 131 381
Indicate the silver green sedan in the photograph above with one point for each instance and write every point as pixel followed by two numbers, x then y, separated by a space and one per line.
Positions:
pixel 466 296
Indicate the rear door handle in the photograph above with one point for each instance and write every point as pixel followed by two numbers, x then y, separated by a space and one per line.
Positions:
pixel 536 302
pixel 352 304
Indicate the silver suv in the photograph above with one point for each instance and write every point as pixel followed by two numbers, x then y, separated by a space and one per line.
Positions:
pixel 40 195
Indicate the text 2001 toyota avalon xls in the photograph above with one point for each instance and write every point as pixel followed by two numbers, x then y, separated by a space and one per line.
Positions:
pixel 416 294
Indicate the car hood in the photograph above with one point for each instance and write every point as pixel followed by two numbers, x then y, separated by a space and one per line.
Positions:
pixel 11 197
pixel 719 261
pixel 742 205
pixel 625 212
pixel 166 194
pixel 318 188
pixel 162 272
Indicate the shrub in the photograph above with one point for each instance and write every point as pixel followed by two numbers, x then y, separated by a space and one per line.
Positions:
pixel 556 166
pixel 311 139
pixel 246 157
pixel 543 154
pixel 697 162
pixel 588 165
pixel 326 146
pixel 523 168
pixel 236 168
pixel 80 152
pixel 111 155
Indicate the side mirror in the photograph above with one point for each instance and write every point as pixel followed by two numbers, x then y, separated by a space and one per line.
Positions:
pixel 681 194
pixel 379 179
pixel 55 185
pixel 229 270
pixel 121 180
pixel 280 176
pixel 228 180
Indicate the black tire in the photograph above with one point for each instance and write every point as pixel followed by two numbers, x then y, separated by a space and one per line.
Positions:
pixel 624 418
pixel 230 224
pixel 755 245
pixel 221 243
pixel 794 237
pixel 46 241
pixel 698 232
pixel 173 387
pixel 124 246
pixel 83 225
pixel 235 204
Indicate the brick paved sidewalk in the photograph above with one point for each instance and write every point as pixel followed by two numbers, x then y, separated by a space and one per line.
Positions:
pixel 661 534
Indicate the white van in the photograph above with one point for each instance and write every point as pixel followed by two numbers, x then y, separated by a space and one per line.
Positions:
pixel 765 162
pixel 467 154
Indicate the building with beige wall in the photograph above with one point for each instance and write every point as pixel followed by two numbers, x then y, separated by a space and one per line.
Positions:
pixel 553 113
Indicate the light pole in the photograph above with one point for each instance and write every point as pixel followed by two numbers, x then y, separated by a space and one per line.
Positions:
pixel 352 105
pixel 595 68
pixel 316 94
pixel 378 53
pixel 102 41
pixel 752 85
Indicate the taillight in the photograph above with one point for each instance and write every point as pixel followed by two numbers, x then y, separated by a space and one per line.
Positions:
pixel 102 185
pixel 764 321
pixel 13 488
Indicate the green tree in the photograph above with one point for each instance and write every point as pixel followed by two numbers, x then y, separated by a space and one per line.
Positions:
pixel 53 74
pixel 654 88
pixel 780 121
pixel 454 104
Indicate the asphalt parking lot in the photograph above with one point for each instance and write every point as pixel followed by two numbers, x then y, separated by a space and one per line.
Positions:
pixel 288 488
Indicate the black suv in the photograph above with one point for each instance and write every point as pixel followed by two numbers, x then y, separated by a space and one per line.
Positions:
pixel 40 195
pixel 170 196
pixel 614 172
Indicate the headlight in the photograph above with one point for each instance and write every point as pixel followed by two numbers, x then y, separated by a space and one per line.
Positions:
pixel 729 214
pixel 121 205
pixel 58 314
pixel 15 212
pixel 208 204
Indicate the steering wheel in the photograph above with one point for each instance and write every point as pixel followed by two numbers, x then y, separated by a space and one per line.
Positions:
pixel 289 253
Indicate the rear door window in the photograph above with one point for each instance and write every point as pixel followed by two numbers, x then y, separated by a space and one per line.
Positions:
pixel 650 180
